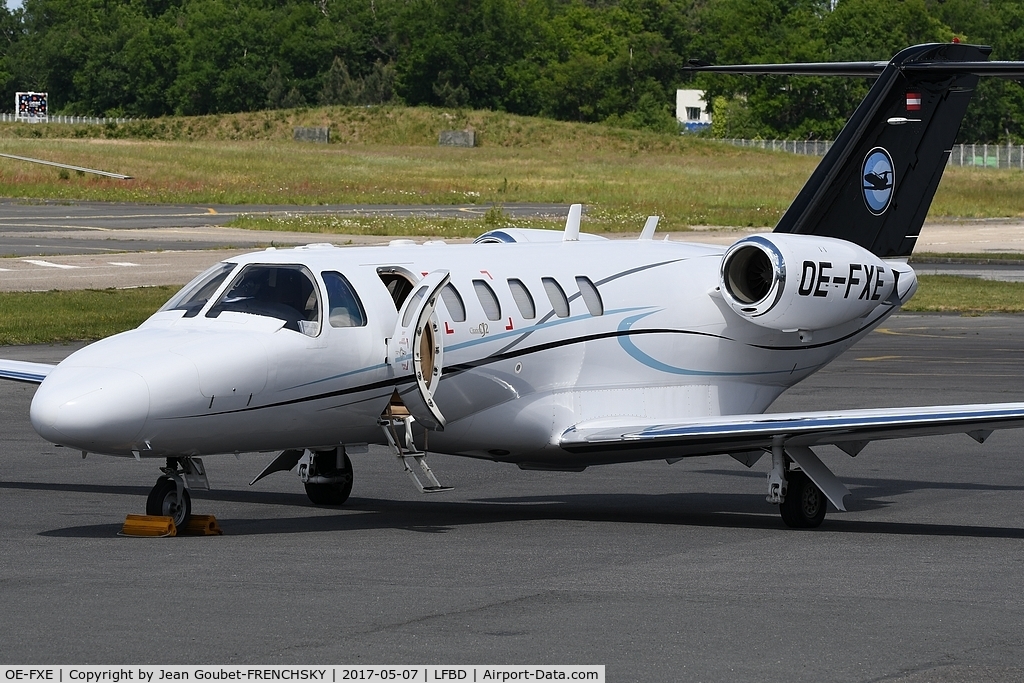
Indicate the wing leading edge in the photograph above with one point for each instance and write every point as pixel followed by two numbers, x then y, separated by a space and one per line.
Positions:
pixel 848 429
pixel 22 371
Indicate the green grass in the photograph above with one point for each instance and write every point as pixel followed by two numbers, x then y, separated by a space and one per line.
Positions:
pixel 389 155
pixel 62 316
pixel 425 226
pixel 952 294
pixel 1007 258
pixel 692 186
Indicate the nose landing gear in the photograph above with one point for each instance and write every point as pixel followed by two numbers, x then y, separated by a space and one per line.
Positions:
pixel 166 500
pixel 170 497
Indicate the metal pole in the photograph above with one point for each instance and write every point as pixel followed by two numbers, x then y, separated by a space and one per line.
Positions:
pixel 69 167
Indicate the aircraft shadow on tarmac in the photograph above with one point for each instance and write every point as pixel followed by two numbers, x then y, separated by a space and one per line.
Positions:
pixel 723 510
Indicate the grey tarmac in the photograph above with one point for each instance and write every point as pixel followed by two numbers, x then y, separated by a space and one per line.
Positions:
pixel 36 227
pixel 77 245
pixel 662 572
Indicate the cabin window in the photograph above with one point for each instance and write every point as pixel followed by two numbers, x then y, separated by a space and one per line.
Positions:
pixel 524 300
pixel 344 307
pixel 453 302
pixel 591 297
pixel 556 296
pixel 488 300
pixel 192 297
pixel 283 292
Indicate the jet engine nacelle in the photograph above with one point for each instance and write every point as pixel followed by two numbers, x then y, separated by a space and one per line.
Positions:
pixel 793 282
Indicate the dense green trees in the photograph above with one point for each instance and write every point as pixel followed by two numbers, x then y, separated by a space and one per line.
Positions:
pixel 814 30
pixel 589 60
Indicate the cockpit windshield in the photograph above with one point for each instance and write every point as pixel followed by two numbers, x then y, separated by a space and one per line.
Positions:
pixel 192 297
pixel 284 292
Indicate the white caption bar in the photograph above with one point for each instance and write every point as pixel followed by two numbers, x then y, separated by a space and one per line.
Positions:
pixel 455 673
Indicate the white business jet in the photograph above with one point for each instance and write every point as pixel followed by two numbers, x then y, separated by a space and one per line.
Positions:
pixel 553 351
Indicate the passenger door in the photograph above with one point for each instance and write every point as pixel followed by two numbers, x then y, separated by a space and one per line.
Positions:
pixel 416 347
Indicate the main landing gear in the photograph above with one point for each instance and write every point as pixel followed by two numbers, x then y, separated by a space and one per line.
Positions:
pixel 801 503
pixel 805 505
pixel 327 476
pixel 170 496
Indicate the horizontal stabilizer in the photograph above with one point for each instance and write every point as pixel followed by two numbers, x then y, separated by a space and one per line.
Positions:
pixel 1011 70
pixel 875 184
pixel 870 69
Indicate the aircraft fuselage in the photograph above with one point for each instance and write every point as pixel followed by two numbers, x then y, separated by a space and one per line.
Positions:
pixel 549 335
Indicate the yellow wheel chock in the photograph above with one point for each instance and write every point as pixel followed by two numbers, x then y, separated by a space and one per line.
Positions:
pixel 201 525
pixel 157 526
pixel 148 525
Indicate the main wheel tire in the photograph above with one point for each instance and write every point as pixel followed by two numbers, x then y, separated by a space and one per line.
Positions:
pixel 164 501
pixel 805 504
pixel 336 493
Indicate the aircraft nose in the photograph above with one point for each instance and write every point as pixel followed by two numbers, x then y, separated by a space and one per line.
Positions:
pixel 95 409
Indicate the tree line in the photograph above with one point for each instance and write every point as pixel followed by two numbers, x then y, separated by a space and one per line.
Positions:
pixel 614 61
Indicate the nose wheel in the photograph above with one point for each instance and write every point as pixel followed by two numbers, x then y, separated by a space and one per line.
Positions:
pixel 170 498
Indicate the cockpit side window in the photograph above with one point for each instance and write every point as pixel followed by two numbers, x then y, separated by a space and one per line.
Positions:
pixel 192 297
pixel 344 307
pixel 284 292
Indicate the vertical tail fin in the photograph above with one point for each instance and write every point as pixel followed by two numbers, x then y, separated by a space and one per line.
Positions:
pixel 876 183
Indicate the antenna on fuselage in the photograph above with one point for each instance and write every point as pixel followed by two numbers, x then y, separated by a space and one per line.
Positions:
pixel 572 224
pixel 649 227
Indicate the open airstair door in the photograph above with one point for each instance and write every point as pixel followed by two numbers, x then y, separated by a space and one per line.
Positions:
pixel 416 347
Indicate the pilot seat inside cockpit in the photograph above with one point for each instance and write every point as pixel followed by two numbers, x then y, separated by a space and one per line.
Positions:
pixel 283 292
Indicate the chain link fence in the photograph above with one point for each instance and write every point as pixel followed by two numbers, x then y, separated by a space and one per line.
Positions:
pixel 989 155
pixel 96 120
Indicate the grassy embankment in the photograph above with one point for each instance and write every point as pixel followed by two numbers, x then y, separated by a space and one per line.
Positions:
pixel 389 155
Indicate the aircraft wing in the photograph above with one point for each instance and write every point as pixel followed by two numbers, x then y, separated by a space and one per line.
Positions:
pixel 848 429
pixel 21 371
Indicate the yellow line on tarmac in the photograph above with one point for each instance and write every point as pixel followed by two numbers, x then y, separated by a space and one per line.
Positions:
pixel 886 330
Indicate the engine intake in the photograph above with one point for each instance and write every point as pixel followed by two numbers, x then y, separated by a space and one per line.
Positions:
pixel 754 275
pixel 793 282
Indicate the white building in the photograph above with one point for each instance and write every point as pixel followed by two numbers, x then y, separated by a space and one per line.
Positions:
pixel 691 110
